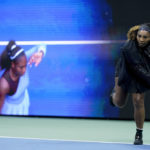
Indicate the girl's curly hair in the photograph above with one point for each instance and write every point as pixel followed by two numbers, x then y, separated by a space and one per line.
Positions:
pixel 131 34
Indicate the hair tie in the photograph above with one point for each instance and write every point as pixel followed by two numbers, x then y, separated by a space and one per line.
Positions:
pixel 19 52
pixel 13 47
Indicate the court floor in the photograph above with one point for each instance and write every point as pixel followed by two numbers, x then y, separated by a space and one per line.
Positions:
pixel 63 133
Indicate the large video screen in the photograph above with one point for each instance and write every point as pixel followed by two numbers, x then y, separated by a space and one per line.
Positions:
pixel 76 74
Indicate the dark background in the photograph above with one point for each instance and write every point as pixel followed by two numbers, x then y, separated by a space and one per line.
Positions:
pixel 127 13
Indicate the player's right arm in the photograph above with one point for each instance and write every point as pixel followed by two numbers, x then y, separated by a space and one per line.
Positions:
pixel 4 90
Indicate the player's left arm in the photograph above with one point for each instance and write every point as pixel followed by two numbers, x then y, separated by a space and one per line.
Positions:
pixel 37 54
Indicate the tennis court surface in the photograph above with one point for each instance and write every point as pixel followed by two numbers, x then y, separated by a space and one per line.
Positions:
pixel 25 133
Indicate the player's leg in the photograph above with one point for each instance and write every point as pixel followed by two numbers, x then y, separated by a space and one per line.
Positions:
pixel 139 116
pixel 118 95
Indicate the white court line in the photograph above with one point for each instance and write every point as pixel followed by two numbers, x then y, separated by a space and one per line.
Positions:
pixel 65 42
pixel 63 140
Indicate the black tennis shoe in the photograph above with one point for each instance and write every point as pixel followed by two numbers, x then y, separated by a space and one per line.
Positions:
pixel 138 138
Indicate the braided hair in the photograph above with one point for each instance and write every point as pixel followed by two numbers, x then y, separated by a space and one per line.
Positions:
pixel 10 54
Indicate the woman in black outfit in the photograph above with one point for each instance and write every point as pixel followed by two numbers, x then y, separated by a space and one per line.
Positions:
pixel 133 74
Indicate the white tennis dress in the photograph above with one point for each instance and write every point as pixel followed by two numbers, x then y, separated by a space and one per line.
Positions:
pixel 18 103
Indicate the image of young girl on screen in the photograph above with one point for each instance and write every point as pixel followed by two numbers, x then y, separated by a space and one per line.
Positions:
pixel 14 65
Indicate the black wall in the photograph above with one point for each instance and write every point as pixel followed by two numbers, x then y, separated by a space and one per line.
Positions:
pixel 127 13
